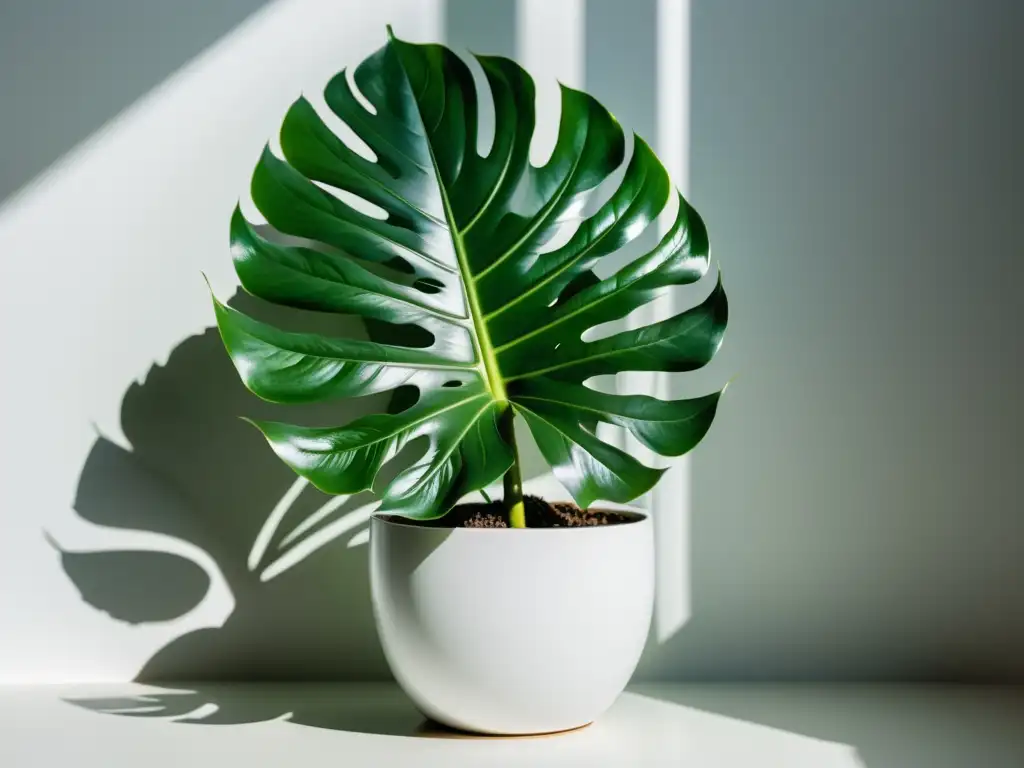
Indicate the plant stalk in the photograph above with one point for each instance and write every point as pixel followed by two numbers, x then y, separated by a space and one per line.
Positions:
pixel 513 477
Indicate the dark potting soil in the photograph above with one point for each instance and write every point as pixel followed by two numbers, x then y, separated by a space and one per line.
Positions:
pixel 539 514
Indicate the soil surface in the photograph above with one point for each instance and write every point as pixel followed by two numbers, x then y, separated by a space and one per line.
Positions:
pixel 539 514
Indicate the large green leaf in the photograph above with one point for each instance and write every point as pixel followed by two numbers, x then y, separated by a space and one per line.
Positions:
pixel 462 252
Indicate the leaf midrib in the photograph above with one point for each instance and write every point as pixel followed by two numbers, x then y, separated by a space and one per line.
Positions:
pixel 481 338
pixel 489 360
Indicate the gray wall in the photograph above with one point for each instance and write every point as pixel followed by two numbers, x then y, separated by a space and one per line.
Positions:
pixel 857 510
pixel 68 67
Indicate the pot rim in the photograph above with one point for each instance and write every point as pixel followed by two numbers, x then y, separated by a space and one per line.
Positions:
pixel 642 516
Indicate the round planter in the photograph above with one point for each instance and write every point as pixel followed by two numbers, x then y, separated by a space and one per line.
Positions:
pixel 512 631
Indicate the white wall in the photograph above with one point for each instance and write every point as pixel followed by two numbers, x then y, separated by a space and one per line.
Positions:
pixel 100 278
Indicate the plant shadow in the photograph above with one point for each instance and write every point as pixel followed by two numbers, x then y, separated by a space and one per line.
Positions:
pixel 365 708
pixel 292 557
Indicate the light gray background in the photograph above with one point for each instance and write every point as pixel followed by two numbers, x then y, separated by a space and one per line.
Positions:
pixel 68 67
pixel 855 511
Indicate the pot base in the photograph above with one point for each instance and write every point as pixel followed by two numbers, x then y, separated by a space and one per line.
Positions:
pixel 431 729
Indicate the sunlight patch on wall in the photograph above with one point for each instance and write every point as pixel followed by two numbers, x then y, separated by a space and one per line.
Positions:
pixel 672 497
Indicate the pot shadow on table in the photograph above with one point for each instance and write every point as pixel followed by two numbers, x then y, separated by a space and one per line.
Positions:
pixel 370 708
pixel 293 558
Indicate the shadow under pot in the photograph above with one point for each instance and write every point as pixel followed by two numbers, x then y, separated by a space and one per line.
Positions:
pixel 513 631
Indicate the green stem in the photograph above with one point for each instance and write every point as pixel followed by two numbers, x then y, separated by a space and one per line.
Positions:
pixel 513 477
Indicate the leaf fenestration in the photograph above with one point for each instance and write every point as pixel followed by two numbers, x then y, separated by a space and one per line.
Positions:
pixel 462 253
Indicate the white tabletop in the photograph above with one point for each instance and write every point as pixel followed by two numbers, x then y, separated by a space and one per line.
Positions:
pixel 698 726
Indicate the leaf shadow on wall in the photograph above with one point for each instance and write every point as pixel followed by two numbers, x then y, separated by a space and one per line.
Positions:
pixel 291 555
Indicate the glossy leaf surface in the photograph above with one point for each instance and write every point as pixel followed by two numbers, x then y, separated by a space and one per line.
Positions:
pixel 461 249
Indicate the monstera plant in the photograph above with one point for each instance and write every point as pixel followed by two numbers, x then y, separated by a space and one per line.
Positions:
pixel 453 250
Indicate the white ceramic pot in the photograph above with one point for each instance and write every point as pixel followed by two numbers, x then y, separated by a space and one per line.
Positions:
pixel 512 631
